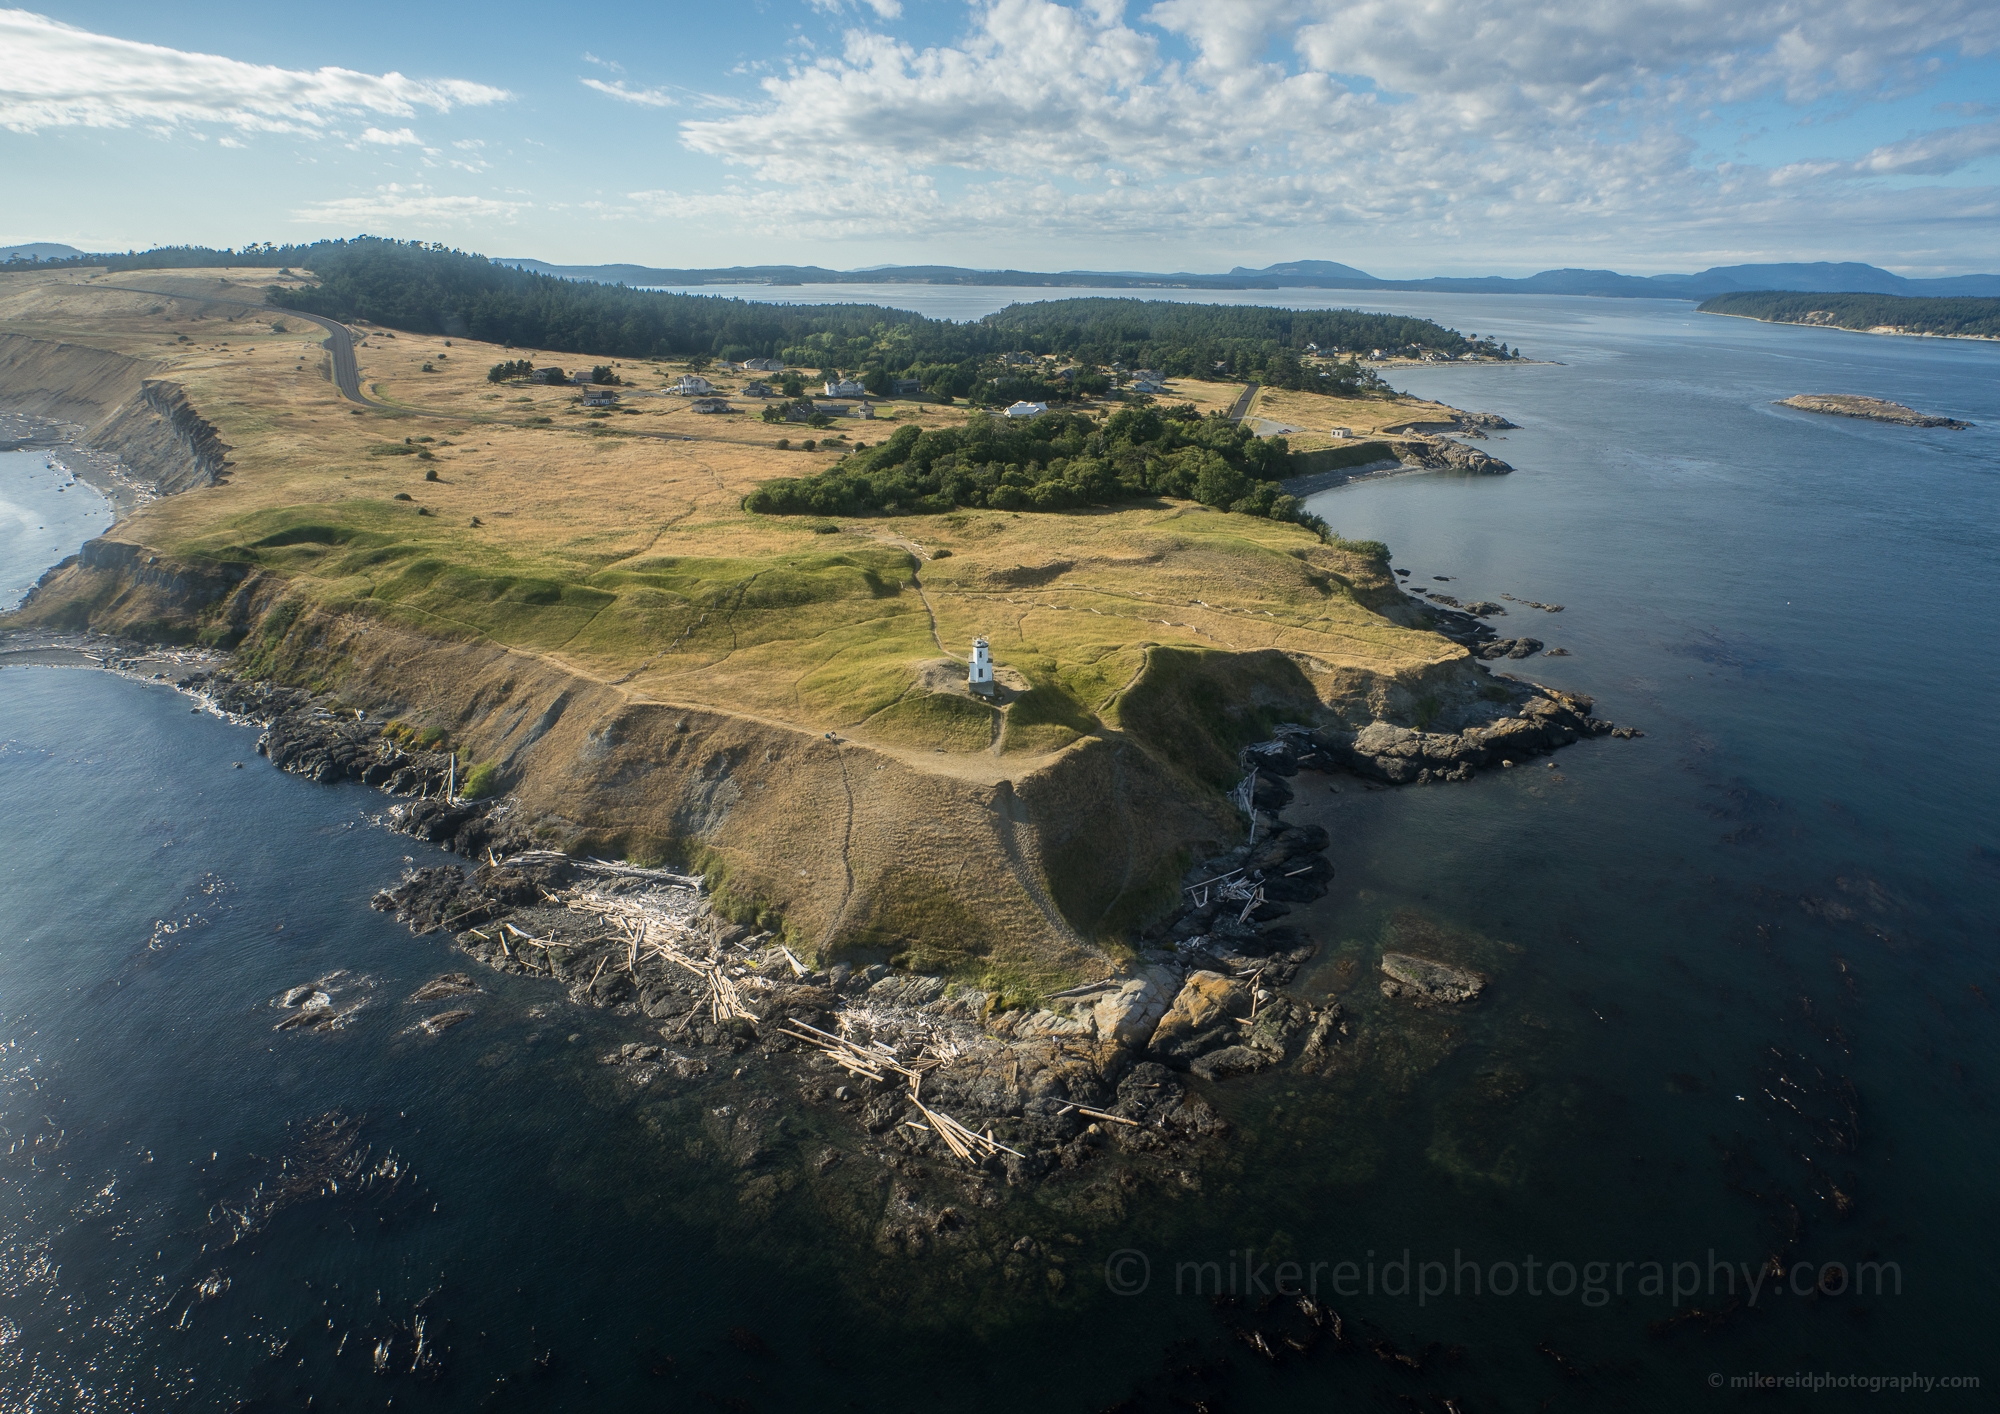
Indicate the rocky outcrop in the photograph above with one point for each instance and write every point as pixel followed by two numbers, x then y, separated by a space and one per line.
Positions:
pixel 1873 409
pixel 1472 424
pixel 1130 1014
pixel 1202 1018
pixel 1428 982
pixel 1509 648
pixel 1443 454
pixel 1383 751
pixel 134 586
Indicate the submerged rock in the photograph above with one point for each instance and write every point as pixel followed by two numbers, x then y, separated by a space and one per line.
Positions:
pixel 444 1021
pixel 450 984
pixel 1427 981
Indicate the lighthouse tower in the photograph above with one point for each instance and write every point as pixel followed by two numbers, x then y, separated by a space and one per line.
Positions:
pixel 980 676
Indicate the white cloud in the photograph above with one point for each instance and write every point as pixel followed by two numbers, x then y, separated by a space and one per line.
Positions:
pixel 402 137
pixel 1467 119
pixel 884 9
pixel 1933 153
pixel 646 97
pixel 410 205
pixel 55 75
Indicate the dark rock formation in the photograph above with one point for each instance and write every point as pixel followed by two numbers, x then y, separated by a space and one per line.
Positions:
pixel 1428 982
pixel 1443 454
pixel 1509 648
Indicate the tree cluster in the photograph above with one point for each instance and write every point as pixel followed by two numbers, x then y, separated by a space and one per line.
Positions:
pixel 1058 461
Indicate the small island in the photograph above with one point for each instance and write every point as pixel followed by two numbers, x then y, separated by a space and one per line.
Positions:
pixel 1874 409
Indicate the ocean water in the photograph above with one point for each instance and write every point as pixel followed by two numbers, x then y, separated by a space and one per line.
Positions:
pixel 45 513
pixel 1742 1008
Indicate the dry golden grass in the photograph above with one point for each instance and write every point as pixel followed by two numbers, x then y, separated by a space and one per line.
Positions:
pixel 1317 413
pixel 615 545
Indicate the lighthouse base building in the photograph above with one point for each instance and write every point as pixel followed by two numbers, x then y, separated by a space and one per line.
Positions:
pixel 979 677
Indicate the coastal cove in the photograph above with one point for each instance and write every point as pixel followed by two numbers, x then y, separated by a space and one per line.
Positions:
pixel 1762 931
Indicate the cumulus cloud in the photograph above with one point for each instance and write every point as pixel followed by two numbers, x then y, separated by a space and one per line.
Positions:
pixel 1324 115
pixel 402 137
pixel 56 75
pixel 395 202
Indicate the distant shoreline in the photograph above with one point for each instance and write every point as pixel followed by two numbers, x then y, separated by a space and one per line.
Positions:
pixel 1843 329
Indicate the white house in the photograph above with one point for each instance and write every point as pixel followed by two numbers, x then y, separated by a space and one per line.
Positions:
pixel 979 677
pixel 844 388
pixel 599 397
pixel 765 365
pixel 1342 431
pixel 1026 410
pixel 862 409
pixel 1144 383
pixel 693 385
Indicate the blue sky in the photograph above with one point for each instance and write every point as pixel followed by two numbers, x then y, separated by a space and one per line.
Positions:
pixel 1406 137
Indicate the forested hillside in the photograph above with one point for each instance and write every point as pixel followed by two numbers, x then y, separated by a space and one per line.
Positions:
pixel 1910 314
pixel 429 289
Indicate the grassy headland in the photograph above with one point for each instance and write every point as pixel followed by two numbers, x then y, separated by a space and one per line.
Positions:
pixel 583 604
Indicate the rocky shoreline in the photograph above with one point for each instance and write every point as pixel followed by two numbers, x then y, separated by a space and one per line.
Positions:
pixel 1105 1069
pixel 1111 1070
pixel 102 471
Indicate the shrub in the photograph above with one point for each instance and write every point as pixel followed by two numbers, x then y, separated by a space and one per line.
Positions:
pixel 481 781
pixel 784 444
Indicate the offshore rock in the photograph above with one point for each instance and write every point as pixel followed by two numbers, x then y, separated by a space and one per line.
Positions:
pixel 1427 981
pixel 1509 648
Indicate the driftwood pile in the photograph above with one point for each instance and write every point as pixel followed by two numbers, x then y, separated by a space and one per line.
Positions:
pixel 668 926
pixel 876 1057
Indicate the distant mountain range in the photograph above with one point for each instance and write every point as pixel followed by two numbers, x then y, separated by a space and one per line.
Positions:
pixel 38 250
pixel 1821 277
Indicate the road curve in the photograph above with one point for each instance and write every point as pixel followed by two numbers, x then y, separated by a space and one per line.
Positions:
pixel 339 341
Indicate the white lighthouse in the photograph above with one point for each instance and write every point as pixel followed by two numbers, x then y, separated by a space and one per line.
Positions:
pixel 980 676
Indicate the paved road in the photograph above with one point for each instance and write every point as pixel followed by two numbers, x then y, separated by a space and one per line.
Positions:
pixel 1242 403
pixel 339 341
